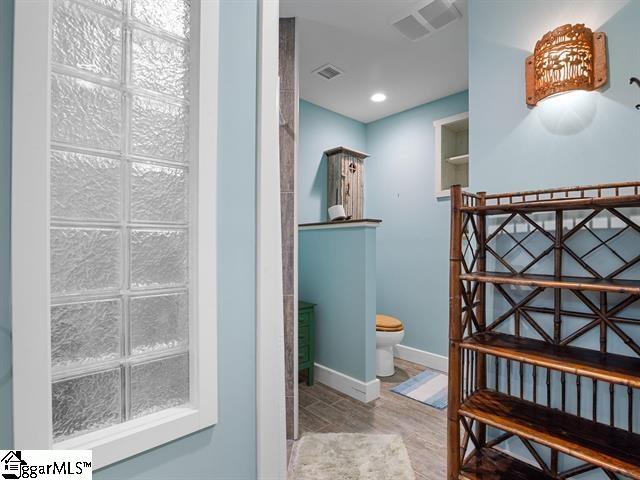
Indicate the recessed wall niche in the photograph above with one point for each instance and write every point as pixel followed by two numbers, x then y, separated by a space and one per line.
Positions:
pixel 451 153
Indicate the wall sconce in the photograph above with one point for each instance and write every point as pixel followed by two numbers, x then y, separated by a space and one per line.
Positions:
pixel 571 57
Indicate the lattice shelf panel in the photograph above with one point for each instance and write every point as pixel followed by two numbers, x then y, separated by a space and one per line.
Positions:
pixel 545 333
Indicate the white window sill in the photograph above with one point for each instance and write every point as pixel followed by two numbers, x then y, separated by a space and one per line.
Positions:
pixel 135 436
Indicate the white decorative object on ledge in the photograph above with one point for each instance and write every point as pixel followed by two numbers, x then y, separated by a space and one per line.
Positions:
pixel 336 212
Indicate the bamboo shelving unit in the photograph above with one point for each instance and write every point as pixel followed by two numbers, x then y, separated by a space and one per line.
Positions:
pixel 548 390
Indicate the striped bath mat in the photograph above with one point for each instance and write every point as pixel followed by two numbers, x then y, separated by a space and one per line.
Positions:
pixel 428 387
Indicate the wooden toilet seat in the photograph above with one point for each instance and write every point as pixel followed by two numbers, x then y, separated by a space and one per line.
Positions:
pixel 385 323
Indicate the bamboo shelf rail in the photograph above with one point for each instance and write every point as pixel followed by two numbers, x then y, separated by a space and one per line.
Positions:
pixel 587 440
pixel 630 287
pixel 535 353
pixel 620 369
pixel 491 464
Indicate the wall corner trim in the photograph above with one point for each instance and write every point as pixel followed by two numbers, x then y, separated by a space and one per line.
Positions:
pixel 363 391
pixel 421 357
pixel 271 449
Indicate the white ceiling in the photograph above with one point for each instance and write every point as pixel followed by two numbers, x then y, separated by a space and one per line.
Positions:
pixel 357 37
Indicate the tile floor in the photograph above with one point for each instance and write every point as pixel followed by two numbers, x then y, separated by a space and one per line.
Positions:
pixel 422 428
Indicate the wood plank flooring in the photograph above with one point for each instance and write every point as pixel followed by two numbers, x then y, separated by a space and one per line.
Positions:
pixel 422 428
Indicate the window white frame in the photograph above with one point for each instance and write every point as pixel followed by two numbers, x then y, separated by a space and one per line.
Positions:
pixel 32 410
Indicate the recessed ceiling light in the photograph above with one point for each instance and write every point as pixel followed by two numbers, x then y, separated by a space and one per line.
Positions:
pixel 378 97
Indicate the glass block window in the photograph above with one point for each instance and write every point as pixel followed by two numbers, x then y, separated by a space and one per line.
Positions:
pixel 120 184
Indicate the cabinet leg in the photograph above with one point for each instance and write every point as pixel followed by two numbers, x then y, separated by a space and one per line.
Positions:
pixel 310 376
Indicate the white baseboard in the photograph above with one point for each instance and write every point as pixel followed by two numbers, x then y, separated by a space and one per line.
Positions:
pixel 427 359
pixel 363 391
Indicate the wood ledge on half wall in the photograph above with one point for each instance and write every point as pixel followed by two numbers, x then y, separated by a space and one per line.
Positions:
pixel 357 222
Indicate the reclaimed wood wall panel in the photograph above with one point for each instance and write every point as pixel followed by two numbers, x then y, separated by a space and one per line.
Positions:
pixel 288 157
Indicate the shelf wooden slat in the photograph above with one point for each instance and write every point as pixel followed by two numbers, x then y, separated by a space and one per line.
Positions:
pixel 555 204
pixel 630 287
pixel 576 189
pixel 607 447
pixel 490 464
pixel 608 367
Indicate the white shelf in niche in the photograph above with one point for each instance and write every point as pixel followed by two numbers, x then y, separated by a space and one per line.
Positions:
pixel 458 159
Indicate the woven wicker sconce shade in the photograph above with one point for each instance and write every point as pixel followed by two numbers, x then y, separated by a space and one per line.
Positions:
pixel 571 57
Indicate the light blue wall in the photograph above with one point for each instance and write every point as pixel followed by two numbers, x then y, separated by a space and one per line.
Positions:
pixel 413 241
pixel 337 273
pixel 6 60
pixel 226 451
pixel 571 139
pixel 320 129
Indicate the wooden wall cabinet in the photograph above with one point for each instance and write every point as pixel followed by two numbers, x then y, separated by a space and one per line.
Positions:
pixel 345 180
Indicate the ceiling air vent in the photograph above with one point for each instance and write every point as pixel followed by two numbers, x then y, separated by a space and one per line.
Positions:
pixel 328 71
pixel 411 28
pixel 439 13
pixel 425 18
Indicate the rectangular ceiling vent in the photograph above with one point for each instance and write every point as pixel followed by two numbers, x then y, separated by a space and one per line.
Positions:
pixel 426 18
pixel 328 71
pixel 411 28
pixel 439 13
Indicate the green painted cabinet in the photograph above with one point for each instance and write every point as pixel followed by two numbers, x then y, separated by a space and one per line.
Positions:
pixel 306 339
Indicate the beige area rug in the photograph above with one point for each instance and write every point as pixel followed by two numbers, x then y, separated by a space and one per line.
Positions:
pixel 350 456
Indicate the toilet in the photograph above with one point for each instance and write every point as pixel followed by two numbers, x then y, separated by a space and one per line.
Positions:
pixel 389 333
